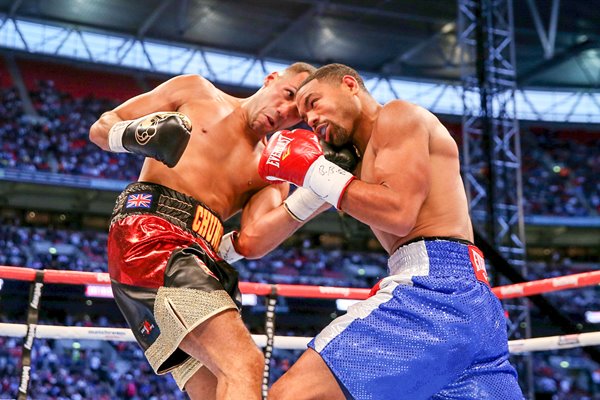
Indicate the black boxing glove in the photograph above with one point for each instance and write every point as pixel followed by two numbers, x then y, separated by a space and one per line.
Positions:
pixel 304 202
pixel 345 156
pixel 162 136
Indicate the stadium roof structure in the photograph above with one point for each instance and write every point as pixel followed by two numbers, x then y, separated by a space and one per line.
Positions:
pixel 557 43
pixel 403 48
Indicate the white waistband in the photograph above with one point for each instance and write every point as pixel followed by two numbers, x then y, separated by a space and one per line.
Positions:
pixel 410 260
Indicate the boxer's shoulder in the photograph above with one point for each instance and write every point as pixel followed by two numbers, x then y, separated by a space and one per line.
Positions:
pixel 398 120
pixel 192 87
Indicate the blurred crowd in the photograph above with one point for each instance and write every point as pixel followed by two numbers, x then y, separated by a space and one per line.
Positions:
pixel 93 369
pixel 565 375
pixel 80 370
pixel 57 139
pixel 85 250
pixel 559 173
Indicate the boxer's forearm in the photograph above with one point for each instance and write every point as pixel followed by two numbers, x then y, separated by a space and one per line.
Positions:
pixel 266 233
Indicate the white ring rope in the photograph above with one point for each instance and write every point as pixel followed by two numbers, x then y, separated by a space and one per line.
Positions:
pixel 125 335
pixel 280 342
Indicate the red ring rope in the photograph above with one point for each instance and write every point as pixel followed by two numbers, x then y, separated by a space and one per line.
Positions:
pixel 306 291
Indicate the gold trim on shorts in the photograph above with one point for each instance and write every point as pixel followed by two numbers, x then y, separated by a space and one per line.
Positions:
pixel 177 312
pixel 185 371
pixel 179 209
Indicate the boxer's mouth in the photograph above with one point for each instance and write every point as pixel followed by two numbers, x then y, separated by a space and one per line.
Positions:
pixel 322 130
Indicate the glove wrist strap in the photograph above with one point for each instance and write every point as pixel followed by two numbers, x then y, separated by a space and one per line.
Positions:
pixel 327 180
pixel 302 204
pixel 115 137
pixel 227 248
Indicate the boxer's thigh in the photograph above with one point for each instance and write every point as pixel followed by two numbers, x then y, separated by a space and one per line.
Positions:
pixel 308 378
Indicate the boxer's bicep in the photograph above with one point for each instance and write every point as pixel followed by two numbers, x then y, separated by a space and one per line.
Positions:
pixel 264 201
pixel 404 166
pixel 168 96
pixel 402 162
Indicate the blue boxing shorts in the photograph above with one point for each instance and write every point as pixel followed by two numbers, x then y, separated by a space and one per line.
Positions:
pixel 432 330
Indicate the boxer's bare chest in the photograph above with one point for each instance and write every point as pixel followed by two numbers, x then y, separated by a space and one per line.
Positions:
pixel 221 160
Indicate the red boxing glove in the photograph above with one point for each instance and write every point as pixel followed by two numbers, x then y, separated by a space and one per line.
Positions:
pixel 289 155
pixel 296 156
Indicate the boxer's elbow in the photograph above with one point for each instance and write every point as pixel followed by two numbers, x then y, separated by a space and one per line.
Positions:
pixel 401 228
pixel 250 252
pixel 401 223
pixel 252 247
pixel 404 214
pixel 94 135
pixel 394 226
pixel 98 133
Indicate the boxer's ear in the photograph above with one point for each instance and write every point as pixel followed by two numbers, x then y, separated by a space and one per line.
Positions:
pixel 270 78
pixel 351 83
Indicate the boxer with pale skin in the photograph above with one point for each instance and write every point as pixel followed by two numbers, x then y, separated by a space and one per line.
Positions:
pixel 166 244
pixel 432 328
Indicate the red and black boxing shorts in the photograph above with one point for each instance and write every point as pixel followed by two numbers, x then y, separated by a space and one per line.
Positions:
pixel 165 273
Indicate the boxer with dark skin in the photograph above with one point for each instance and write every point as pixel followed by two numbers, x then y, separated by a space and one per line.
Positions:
pixel 202 147
pixel 432 328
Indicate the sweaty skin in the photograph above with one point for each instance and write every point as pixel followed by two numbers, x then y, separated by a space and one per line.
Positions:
pixel 408 185
pixel 227 135
pixel 409 180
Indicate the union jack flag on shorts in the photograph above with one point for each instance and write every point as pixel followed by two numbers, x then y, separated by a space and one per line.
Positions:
pixel 139 200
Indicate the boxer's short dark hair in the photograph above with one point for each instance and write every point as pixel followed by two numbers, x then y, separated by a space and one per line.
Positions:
pixel 334 73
